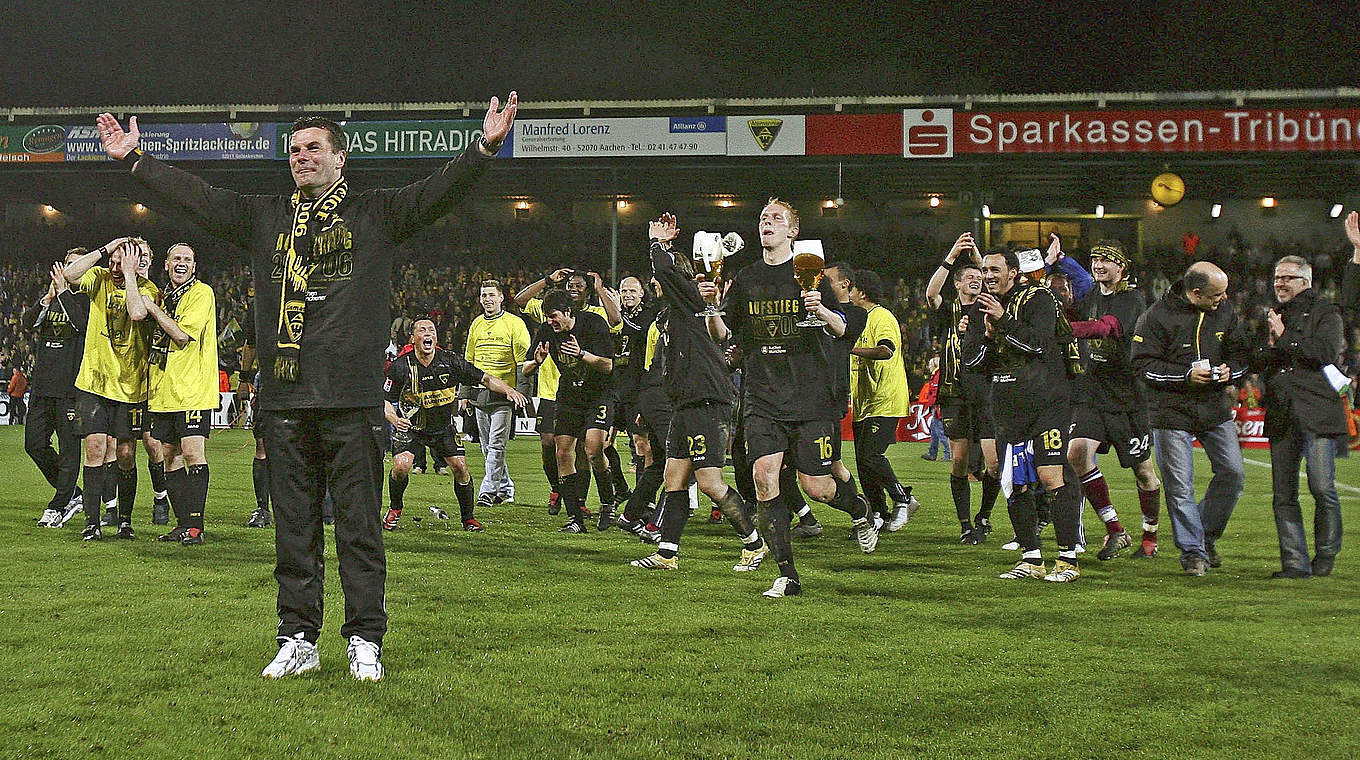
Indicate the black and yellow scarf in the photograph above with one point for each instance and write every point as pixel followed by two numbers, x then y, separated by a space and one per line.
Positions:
pixel 316 231
pixel 160 340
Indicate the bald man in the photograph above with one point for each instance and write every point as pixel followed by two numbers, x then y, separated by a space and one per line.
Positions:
pixel 1187 347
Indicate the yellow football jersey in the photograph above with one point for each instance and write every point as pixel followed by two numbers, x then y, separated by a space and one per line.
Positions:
pixel 189 380
pixel 878 388
pixel 497 346
pixel 115 362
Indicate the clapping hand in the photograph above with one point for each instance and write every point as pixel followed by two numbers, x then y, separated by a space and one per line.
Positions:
pixel 1054 249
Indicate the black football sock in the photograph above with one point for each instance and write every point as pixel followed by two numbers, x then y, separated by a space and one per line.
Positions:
pixel 571 494
pixel 991 488
pixel 157 470
pixel 742 474
pixel 127 493
pixel 259 475
pixel 647 483
pixel 110 481
pixel 620 481
pixel 847 500
pixel 737 514
pixel 604 486
pixel 181 495
pixel 466 499
pixel 1025 520
pixel 774 526
pixel 198 494
pixel 676 504
pixel 396 489
pixel 962 491
pixel 93 500
pixel 550 468
pixel 582 490
pixel 1064 504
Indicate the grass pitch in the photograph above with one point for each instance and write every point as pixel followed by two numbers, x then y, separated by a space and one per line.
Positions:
pixel 521 642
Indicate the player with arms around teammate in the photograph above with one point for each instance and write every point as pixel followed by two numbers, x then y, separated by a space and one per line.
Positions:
pixel 1110 406
pixel 701 396
pixel 582 348
pixel 965 397
pixel 421 398
pixel 1017 340
pixel 113 374
pixel 788 375
pixel 183 388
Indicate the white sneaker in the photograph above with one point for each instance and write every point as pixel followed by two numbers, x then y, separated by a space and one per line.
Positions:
pixel 295 657
pixel 866 533
pixel 1011 545
pixel 50 518
pixel 364 664
pixel 73 507
pixel 783 586
pixel 902 514
pixel 751 558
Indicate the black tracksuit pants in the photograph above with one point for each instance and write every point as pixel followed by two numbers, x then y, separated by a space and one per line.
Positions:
pixel 48 416
pixel 309 451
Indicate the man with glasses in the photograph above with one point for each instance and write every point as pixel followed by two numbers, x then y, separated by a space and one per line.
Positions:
pixel 1305 416
pixel 1187 347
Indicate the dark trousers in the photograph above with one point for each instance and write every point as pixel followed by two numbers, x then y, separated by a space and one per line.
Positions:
pixel 54 416
pixel 1286 450
pixel 311 450
pixel 873 436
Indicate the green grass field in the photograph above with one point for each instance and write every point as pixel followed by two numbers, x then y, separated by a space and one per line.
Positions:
pixel 521 642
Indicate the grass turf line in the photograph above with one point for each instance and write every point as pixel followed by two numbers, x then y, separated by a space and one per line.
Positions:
pixel 522 642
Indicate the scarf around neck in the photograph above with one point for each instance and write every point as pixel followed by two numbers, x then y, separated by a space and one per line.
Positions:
pixel 160 340
pixel 316 231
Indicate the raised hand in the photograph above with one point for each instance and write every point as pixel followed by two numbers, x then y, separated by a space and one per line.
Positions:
pixel 59 284
pixel 964 243
pixel 570 347
pixel 663 230
pixel 1054 248
pixel 541 352
pixel 117 143
pixel 1353 230
pixel 498 121
pixel 990 306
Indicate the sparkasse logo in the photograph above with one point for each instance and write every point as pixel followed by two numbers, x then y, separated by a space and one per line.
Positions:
pixel 928 133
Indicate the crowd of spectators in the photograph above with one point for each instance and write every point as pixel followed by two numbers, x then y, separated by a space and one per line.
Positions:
pixel 439 272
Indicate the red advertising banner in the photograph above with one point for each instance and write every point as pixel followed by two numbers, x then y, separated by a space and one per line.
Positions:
pixel 871 134
pixel 944 132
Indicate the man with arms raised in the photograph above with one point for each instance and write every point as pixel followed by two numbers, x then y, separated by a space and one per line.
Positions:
pixel 322 263
pixel 421 399
pixel 789 376
pixel 701 394
pixel 965 397
pixel 183 388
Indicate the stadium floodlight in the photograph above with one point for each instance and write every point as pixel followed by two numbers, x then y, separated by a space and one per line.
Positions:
pixel 522 205
pixel 986 211
pixel 934 201
pixel 139 208
pixel 1100 211
pixel 1336 210
pixel 1215 211
pixel 622 205
pixel 1268 202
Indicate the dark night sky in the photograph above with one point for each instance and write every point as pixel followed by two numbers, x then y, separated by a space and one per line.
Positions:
pixel 64 53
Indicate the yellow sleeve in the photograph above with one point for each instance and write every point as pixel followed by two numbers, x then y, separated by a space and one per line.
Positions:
pixel 653 338
pixel 534 309
pixel 474 334
pixel 89 282
pixel 519 341
pixel 196 314
pixel 149 290
pixel 881 327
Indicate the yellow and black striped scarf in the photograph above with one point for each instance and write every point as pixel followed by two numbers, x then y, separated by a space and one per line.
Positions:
pixel 160 340
pixel 316 231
